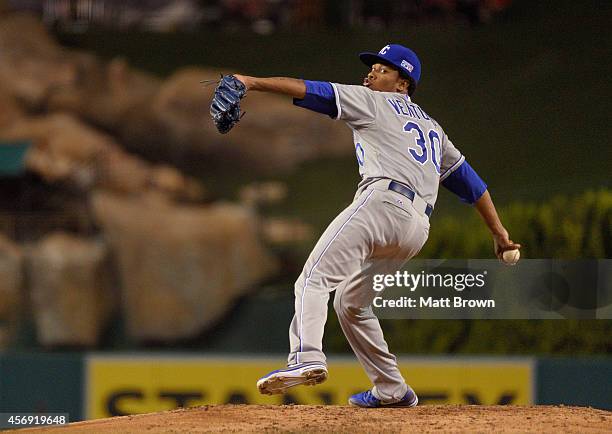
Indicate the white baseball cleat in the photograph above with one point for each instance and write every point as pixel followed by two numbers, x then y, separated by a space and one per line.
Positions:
pixel 308 374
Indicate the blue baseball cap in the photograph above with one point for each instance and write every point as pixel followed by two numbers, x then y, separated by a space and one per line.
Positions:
pixel 404 59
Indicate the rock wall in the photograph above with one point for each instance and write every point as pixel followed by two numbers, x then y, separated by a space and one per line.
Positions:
pixel 152 116
pixel 68 150
pixel 171 262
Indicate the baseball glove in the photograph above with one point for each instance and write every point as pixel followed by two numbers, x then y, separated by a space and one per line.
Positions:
pixel 225 105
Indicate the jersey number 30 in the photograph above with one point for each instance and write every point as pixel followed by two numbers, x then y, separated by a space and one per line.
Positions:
pixel 423 155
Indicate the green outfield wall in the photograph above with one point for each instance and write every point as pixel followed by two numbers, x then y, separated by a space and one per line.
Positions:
pixel 42 383
pixel 586 382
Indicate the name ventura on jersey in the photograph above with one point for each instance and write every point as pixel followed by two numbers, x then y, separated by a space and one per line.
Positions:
pixel 404 108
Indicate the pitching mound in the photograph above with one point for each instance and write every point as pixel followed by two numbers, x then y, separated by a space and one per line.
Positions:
pixel 312 418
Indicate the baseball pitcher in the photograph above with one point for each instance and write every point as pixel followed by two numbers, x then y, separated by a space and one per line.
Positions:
pixel 403 156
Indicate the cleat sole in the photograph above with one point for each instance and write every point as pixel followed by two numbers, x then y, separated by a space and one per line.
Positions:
pixel 279 384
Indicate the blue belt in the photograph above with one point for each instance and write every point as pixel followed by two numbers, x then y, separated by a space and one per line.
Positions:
pixel 405 191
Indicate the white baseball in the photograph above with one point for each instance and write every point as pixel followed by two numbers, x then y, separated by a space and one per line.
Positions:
pixel 511 257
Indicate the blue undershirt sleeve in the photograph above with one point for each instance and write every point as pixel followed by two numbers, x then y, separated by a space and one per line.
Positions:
pixel 465 183
pixel 319 97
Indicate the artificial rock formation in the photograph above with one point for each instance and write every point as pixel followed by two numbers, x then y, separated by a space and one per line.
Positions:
pixel 66 149
pixel 273 135
pixel 168 118
pixel 32 64
pixel 72 291
pixel 10 109
pixel 11 279
pixel 181 267
pixel 98 126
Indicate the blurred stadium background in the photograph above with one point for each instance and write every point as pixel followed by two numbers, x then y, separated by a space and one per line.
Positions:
pixel 146 262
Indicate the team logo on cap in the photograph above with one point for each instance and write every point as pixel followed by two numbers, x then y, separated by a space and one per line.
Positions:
pixel 407 65
pixel 384 49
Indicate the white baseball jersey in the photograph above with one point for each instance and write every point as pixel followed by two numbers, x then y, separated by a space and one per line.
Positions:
pixel 394 138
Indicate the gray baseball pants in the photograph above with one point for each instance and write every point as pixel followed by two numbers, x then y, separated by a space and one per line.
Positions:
pixel 376 234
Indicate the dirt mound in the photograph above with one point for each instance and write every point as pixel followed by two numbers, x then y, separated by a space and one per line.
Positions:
pixel 313 418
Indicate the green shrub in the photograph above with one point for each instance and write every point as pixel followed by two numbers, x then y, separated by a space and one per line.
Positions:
pixel 569 228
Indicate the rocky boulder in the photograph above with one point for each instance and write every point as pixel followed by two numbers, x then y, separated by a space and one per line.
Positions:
pixel 71 289
pixel 10 109
pixel 65 149
pixel 11 279
pixel 181 267
pixel 273 135
pixel 111 94
pixel 32 64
